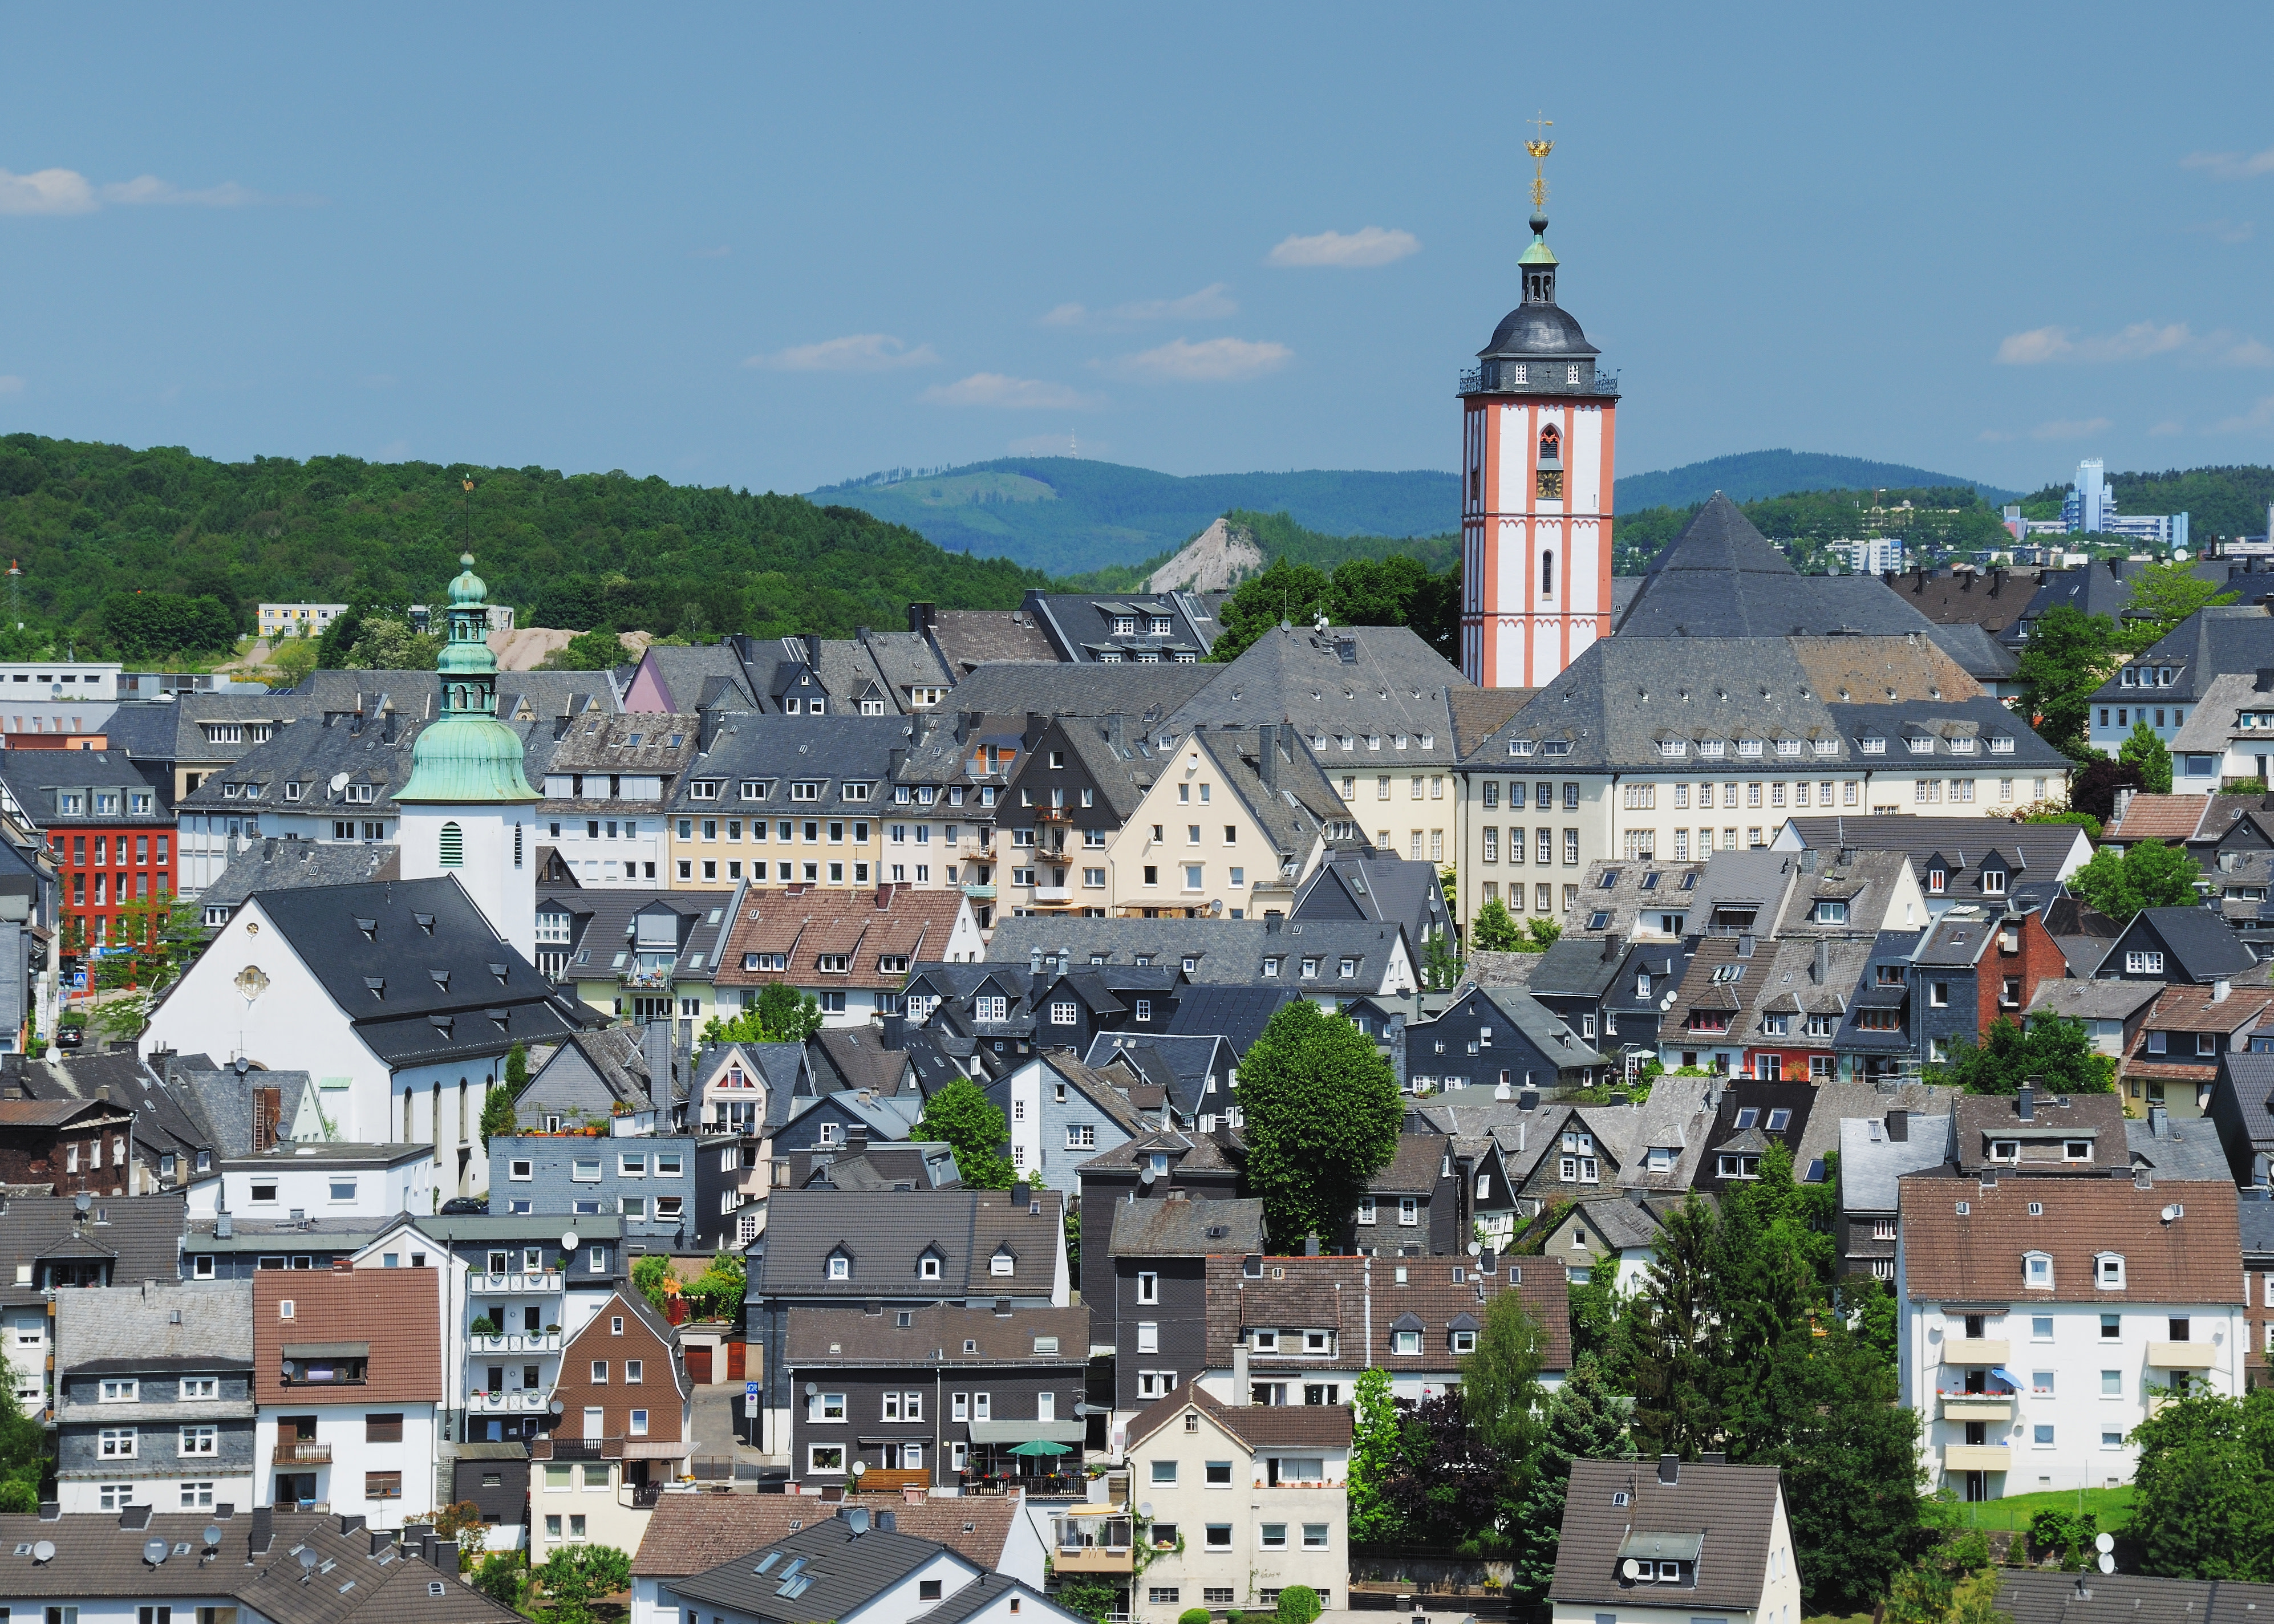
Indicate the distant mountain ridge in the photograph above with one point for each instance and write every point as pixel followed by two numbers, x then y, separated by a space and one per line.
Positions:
pixel 1750 476
pixel 1071 514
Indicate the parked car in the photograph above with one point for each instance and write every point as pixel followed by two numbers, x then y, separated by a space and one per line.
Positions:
pixel 463 1206
pixel 70 1037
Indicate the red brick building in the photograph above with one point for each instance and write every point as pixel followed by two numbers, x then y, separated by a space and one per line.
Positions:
pixel 110 835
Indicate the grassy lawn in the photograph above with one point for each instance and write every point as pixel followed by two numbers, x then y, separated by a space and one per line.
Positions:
pixel 2111 1507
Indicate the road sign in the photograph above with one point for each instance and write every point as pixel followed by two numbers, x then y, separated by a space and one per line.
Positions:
pixel 750 1391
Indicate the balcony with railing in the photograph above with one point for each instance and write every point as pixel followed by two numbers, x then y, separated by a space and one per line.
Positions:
pixel 302 1452
pixel 1093 1543
pixel 544 1284
pixel 522 1402
pixel 2189 1355
pixel 1510 378
pixel 1974 1457
pixel 1047 895
pixel 515 1341
pixel 1978 1406
pixel 980 893
pixel 1983 1350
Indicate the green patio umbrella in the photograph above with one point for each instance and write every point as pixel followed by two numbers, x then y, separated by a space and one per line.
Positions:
pixel 1041 1445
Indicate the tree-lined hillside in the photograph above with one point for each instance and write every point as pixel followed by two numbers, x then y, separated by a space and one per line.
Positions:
pixel 201 543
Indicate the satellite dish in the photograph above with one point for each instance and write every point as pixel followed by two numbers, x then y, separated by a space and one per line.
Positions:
pixel 2107 1563
pixel 568 1240
pixel 2105 1543
pixel 1145 1177
pixel 153 1551
pixel 1629 1568
pixel 1475 1247
pixel 557 1406
pixel 810 1390
pixel 82 1200
pixel 1146 1509
pixel 859 1467
pixel 308 1558
pixel 212 1535
pixel 44 1551
pixel 339 782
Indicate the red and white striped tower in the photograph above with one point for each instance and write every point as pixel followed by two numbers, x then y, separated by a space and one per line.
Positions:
pixel 1537 435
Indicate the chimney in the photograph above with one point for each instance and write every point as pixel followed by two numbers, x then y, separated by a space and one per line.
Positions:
pixel 1745 945
pixel 2219 988
pixel 1611 948
pixel 922 617
pixel 1021 1194
pixel 1899 1126
pixel 1670 1468
pixel 1113 732
pixel 813 651
pixel 264 1532
pixel 1822 968
pixel 386 725
pixel 1528 1101
pixel 1310 1245
pixel 1266 756
pixel 1488 1259
pixel 655 1047
pixel 444 1554
pixel 1034 961
pixel 1713 1457
pixel 2025 1103
pixel 1239 1393
pixel 856 1139
pixel 2159 1122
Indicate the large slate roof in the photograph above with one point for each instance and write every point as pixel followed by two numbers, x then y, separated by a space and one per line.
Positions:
pixel 419 927
pixel 1720 577
pixel 1016 687
pixel 271 864
pixel 142 1232
pixel 1732 1508
pixel 1369 685
pixel 848 1571
pixel 885 1236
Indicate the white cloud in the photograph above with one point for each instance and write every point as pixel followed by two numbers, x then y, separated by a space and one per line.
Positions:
pixel 1211 303
pixel 2231 166
pixel 10 384
pixel 2257 420
pixel 857 352
pixel 2169 426
pixel 1019 394
pixel 1370 246
pixel 2245 352
pixel 2227 231
pixel 46 191
pixel 1212 360
pixel 67 191
pixel 150 188
pixel 2141 339
pixel 2069 428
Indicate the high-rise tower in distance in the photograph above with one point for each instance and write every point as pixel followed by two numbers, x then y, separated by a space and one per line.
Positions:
pixel 1537 435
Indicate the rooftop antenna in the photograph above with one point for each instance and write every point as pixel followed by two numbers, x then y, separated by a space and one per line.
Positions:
pixel 16 593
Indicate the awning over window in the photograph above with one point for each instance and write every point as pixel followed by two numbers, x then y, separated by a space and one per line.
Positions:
pixel 1068 1431
pixel 327 1350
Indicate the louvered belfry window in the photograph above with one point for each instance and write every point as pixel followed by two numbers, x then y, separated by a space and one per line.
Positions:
pixel 454 845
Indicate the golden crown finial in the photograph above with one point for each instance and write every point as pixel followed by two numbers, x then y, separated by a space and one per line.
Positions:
pixel 1539 147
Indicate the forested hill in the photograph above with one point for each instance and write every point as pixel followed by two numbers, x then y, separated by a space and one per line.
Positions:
pixel 1071 514
pixel 1750 476
pixel 93 523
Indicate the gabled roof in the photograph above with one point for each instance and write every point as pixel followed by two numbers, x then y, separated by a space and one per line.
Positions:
pixel 1730 1510
pixel 1871 1163
pixel 692 1533
pixel 271 864
pixel 1133 691
pixel 394 1313
pixel 853 1336
pixel 1977 1254
pixel 886 1235
pixel 143 1232
pixel 1175 1228
pixel 1359 682
pixel 1720 577
pixel 846 1571
pixel 2199 941
pixel 210 1321
pixel 2039 1597
pixel 1259 1426
pixel 1989 598
pixel 419 929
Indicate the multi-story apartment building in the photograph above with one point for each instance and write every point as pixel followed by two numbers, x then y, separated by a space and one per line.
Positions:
pixel 2161 686
pixel 640 955
pixel 154 1398
pixel 623 1433
pixel 851 950
pixel 785 801
pixel 348 1374
pixel 327 780
pixel 2106 1296
pixel 1062 1113
pixel 298 620
pixel 929 1395
pixel 104 828
pixel 1071 789
pixel 50 1243
pixel 1248 1499
pixel 606 788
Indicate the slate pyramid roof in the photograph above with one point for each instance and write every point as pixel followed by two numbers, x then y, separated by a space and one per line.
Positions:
pixel 1722 578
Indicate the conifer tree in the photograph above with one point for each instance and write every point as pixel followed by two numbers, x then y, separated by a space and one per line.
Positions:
pixel 1585 1421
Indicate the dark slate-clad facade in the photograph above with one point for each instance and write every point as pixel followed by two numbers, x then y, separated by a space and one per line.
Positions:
pixel 154 1397
pixel 647 1181
pixel 944 1391
pixel 1159 1253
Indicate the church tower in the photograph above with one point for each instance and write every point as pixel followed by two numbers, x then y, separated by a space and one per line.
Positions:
pixel 1536 441
pixel 467 813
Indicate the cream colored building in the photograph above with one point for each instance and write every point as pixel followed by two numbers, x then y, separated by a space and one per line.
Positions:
pixel 1236 820
pixel 1245 1500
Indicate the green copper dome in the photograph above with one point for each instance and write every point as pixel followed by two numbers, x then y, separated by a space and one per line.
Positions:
pixel 467 755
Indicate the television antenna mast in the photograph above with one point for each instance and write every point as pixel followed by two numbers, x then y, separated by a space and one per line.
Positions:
pixel 16 593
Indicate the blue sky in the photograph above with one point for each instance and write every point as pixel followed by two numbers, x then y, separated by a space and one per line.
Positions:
pixel 780 247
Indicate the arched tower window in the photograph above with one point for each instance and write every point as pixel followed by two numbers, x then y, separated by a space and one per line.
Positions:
pixel 453 845
pixel 1547 574
pixel 1551 462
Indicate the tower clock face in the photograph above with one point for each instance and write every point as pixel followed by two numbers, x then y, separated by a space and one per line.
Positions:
pixel 1551 482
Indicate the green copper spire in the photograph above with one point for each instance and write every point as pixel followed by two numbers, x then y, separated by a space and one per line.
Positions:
pixel 467 755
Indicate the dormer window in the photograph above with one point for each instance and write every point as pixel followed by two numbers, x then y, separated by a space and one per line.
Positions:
pixel 928 1266
pixel 841 1266
pixel 2108 1271
pixel 2037 1271
pixel 1003 1263
pixel 2005 1150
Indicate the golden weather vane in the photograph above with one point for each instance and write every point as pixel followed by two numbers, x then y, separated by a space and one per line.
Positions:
pixel 1539 147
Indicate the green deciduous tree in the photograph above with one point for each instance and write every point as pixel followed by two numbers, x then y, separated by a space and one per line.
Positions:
pixel 23 1449
pixel 592 650
pixel 575 1577
pixel 2202 1498
pixel 717 1293
pixel 1321 1113
pixel 649 1275
pixel 2164 595
pixel 2150 875
pixel 1494 930
pixel 502 1577
pixel 1541 933
pixel 962 1117
pixel 1375 1433
pixel 2066 658
pixel 2144 750
pixel 145 625
pixel 1298 1603
pixel 1582 1421
pixel 782 1015
pixel 1094 1599
pixel 1502 1396
pixel 389 644
pixel 2055 1050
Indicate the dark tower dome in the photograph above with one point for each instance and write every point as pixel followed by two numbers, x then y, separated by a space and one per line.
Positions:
pixel 1539 327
